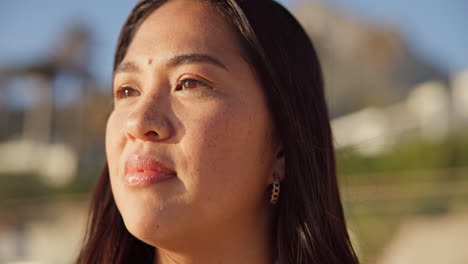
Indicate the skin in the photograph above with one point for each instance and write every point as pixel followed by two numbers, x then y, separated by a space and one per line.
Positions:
pixel 217 134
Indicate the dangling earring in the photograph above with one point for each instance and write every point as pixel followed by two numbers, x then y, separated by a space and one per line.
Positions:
pixel 276 189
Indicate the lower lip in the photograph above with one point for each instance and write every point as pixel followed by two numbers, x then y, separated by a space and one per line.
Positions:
pixel 146 178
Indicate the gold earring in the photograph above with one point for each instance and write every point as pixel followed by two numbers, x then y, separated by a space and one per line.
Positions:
pixel 276 188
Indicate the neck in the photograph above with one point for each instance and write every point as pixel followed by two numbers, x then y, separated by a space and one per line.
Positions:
pixel 243 241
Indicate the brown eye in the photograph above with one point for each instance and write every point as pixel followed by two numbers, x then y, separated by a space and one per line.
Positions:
pixel 189 84
pixel 125 92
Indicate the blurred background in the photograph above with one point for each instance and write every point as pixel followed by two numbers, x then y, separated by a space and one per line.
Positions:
pixel 397 85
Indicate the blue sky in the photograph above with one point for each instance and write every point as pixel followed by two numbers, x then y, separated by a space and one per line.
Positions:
pixel 435 29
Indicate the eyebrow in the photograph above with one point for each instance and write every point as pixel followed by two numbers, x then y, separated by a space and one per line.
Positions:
pixel 195 58
pixel 131 67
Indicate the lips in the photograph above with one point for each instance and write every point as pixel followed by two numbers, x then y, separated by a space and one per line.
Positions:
pixel 145 170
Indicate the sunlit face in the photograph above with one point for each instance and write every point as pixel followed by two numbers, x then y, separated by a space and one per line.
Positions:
pixel 185 96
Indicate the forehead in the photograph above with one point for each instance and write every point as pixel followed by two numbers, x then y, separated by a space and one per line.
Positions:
pixel 182 26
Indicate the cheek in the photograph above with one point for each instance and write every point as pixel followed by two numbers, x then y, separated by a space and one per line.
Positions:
pixel 228 147
pixel 114 141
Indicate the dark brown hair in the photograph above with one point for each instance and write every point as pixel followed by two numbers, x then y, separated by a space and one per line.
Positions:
pixel 309 221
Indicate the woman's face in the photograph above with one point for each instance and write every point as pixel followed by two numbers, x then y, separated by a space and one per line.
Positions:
pixel 185 97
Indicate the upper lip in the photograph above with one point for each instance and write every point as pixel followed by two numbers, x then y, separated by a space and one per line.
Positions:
pixel 143 162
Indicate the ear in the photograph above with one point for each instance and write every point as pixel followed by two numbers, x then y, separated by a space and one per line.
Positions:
pixel 278 165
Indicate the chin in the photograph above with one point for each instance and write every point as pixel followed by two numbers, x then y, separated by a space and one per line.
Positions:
pixel 152 222
pixel 144 230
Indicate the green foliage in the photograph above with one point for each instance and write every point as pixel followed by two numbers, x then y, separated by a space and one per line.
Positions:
pixel 405 161
pixel 414 178
pixel 15 187
pixel 21 186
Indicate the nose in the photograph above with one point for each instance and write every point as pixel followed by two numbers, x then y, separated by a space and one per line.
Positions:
pixel 148 122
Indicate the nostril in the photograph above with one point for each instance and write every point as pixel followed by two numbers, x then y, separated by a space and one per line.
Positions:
pixel 151 135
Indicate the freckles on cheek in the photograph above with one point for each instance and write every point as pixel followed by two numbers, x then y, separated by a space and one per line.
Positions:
pixel 217 130
pixel 205 141
pixel 220 139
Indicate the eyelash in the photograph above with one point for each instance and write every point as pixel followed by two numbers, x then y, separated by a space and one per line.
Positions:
pixel 180 83
pixel 124 91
